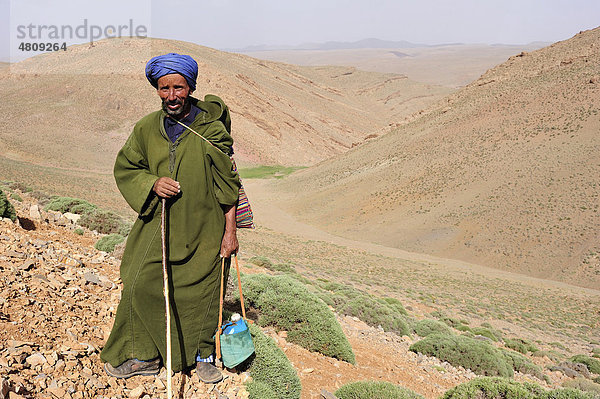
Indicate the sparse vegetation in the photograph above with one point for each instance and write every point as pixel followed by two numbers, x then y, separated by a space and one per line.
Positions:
pixel 267 172
pixel 260 390
pixel 16 197
pixel 496 387
pixel 550 354
pixel 108 243
pixel 558 345
pixel 283 268
pixel 492 388
pixel 42 197
pixel 385 312
pixel 522 364
pixel 105 222
pixel 593 365
pixel 267 264
pixel 68 204
pixel 459 350
pixel 520 345
pixel 261 261
pixel 273 376
pixel 14 185
pixel 78 231
pixel 488 332
pixel 6 208
pixel 286 304
pixel 583 384
pixel 375 390
pixel 424 328
pixel 450 321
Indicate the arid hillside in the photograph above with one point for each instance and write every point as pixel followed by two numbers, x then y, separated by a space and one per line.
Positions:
pixel 87 99
pixel 450 65
pixel 503 173
pixel 59 294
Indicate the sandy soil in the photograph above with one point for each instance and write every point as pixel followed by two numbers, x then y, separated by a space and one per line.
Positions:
pixel 268 213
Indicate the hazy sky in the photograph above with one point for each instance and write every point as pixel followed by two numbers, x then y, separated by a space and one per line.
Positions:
pixel 239 23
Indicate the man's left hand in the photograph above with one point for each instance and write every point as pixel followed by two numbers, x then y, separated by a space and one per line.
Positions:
pixel 229 244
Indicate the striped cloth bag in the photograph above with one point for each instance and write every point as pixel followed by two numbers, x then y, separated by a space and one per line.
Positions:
pixel 243 214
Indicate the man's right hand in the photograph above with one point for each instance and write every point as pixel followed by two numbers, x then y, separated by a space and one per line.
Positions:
pixel 166 187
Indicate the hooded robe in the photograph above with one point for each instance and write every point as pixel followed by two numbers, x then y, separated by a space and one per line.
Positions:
pixel 195 227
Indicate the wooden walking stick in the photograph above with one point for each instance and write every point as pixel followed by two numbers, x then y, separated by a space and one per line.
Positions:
pixel 166 292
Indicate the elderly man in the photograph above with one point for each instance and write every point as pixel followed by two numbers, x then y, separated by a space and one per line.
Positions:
pixel 163 159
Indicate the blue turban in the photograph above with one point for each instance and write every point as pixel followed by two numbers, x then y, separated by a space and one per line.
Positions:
pixel 166 64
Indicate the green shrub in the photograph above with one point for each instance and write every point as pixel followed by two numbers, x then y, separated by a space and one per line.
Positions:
pixel 375 390
pixel 583 384
pixel 394 304
pixel 104 222
pixel 16 197
pixel 459 350
pixel 326 297
pixel 125 227
pixel 463 328
pixel 385 312
pixel 287 304
pixel 273 376
pixel 596 352
pixel 558 345
pixel 488 332
pixel 260 390
pixel 596 380
pixel 267 264
pixel 108 243
pixel 19 186
pixel 426 327
pixel 453 322
pixel 78 231
pixel 504 388
pixel 372 312
pixel 68 204
pixel 6 208
pixel 283 267
pixel 520 345
pixel 493 388
pixel 261 261
pixel 569 393
pixel 303 280
pixel 522 364
pixel 592 364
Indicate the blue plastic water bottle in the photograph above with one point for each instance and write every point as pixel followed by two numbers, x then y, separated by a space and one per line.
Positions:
pixel 236 325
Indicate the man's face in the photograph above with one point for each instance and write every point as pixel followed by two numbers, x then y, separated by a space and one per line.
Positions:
pixel 174 90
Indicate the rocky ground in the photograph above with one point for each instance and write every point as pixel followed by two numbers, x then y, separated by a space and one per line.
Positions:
pixel 57 304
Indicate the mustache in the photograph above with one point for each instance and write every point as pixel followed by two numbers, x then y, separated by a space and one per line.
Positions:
pixel 174 102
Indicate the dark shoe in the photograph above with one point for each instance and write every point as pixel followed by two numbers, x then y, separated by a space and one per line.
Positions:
pixel 207 373
pixel 132 367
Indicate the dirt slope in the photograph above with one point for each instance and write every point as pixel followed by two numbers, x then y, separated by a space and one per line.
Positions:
pixel 87 99
pixel 503 173
pixel 58 298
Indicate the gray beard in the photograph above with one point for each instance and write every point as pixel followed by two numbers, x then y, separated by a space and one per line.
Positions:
pixel 180 112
